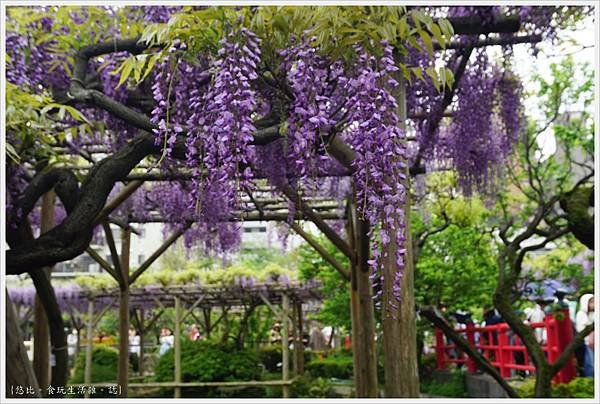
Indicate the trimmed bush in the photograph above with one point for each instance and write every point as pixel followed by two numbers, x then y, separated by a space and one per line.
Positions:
pixel 270 356
pixel 338 365
pixel 580 387
pixel 454 388
pixel 104 365
pixel 203 361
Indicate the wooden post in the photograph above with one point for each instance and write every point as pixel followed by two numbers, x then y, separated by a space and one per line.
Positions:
pixel 439 349
pixel 300 346
pixel 294 341
pixel 177 346
pixel 41 334
pixel 142 332
pixel 399 323
pixel 285 349
pixel 123 372
pixel 359 388
pixel 87 379
pixel 470 334
pixel 363 319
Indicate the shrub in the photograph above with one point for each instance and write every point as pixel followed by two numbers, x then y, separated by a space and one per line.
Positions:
pixel 104 365
pixel 339 365
pixel 304 387
pixel 204 361
pixel 104 369
pixel 270 356
pixel 453 388
pixel 580 387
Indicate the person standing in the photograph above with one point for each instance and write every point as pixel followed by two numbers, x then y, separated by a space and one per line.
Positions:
pixel 585 317
pixel 134 349
pixel 167 340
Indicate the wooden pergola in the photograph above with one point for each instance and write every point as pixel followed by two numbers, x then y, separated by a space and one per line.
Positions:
pixel 284 299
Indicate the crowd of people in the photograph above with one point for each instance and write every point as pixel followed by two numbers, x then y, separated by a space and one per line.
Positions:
pixel 581 315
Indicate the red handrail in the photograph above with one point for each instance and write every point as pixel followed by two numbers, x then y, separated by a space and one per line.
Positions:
pixel 502 344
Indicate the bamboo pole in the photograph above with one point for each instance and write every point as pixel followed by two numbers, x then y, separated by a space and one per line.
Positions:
pixel 89 347
pixel 285 349
pixel 177 346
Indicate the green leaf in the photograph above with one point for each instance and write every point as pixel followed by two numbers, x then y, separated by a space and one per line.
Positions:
pixel 432 73
pixel 437 34
pixel 446 27
pixel 427 41
pixel 125 69
pixel 12 153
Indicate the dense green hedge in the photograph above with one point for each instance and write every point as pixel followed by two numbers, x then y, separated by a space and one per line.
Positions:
pixel 104 365
pixel 580 387
pixel 454 388
pixel 338 365
pixel 270 355
pixel 203 361
pixel 104 369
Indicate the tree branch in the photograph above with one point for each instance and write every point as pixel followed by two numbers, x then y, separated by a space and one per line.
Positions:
pixel 430 313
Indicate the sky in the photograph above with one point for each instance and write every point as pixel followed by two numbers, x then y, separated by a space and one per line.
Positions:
pixel 578 43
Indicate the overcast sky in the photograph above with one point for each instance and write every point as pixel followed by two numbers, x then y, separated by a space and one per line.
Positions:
pixel 526 66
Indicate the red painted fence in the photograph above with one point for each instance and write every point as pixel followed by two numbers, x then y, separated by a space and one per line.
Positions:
pixel 498 343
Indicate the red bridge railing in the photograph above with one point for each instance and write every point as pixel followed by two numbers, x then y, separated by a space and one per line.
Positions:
pixel 498 343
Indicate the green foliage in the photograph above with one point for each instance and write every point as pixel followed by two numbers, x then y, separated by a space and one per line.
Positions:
pixel 104 365
pixel 203 361
pixel 304 387
pixel 270 355
pixel 336 365
pixel 554 264
pixel 335 30
pixel 456 268
pixel 454 388
pixel 32 121
pixel 206 277
pixel 580 387
pixel 336 306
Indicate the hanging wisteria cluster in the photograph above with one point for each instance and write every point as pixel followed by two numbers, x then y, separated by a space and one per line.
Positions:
pixel 488 104
pixel 380 164
pixel 206 103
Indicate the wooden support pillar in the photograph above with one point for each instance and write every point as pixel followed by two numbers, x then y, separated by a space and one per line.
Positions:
pixel 123 372
pixel 177 367
pixel 399 323
pixel 294 342
pixel 41 334
pixel 285 348
pixel 142 331
pixel 361 303
pixel 87 378
pixel 299 344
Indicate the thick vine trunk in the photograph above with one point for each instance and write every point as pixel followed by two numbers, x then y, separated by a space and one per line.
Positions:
pixel 21 372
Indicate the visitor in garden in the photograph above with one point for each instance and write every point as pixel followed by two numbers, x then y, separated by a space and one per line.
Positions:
pixel 166 341
pixel 275 334
pixel 537 315
pixel 560 298
pixel 194 333
pixel 72 345
pixel 585 317
pixel 317 341
pixel 134 349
